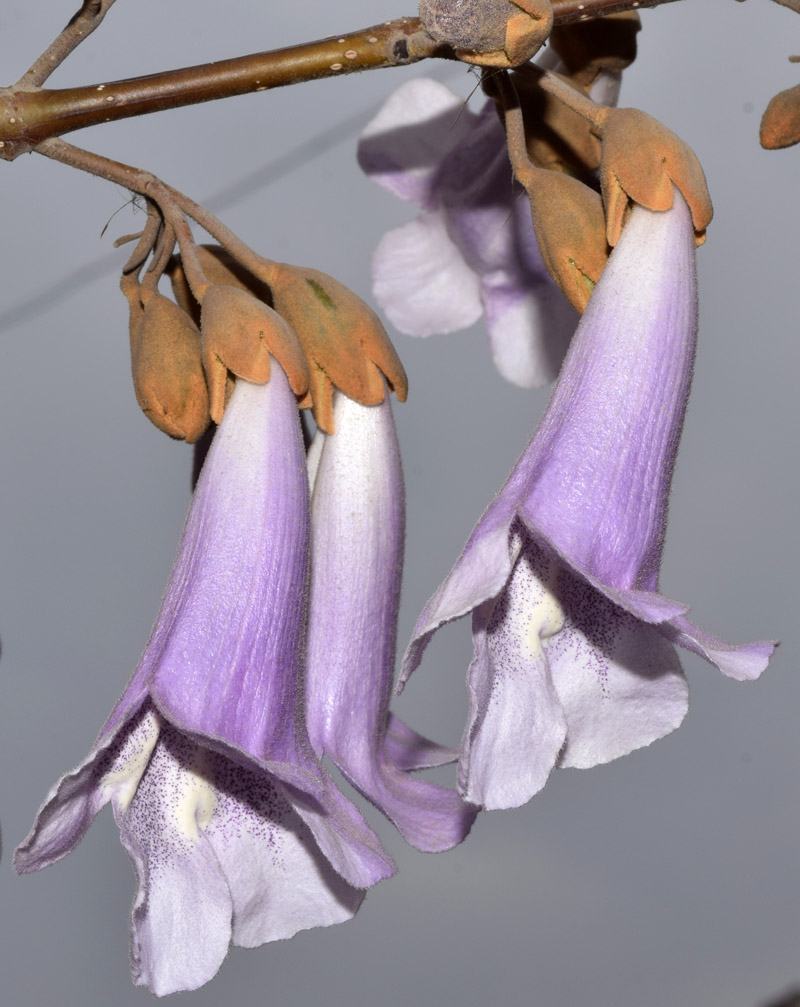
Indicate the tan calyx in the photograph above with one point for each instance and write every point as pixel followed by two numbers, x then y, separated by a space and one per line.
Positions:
pixel 166 365
pixel 780 124
pixel 598 45
pixel 343 340
pixel 344 343
pixel 219 267
pixel 570 228
pixel 239 333
pixel 641 162
pixel 567 215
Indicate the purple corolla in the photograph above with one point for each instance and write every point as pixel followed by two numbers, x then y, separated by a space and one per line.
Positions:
pixel 473 249
pixel 235 831
pixel 357 538
pixel 573 660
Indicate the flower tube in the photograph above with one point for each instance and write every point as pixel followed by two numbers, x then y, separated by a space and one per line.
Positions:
pixel 235 831
pixel 357 538
pixel 573 659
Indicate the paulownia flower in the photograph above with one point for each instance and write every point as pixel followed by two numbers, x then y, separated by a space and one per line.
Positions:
pixel 235 831
pixel 574 663
pixel 357 533
pixel 473 248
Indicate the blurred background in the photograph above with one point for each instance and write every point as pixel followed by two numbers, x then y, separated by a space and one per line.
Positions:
pixel 666 878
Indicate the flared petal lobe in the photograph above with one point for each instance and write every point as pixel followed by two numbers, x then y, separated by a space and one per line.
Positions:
pixel 561 572
pixel 357 537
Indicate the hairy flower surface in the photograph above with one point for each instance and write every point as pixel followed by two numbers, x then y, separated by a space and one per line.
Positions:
pixel 357 538
pixel 235 831
pixel 473 249
pixel 573 659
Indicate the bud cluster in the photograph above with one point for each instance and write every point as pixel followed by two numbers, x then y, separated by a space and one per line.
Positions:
pixel 229 319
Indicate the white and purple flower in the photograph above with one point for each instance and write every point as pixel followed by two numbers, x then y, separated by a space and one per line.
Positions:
pixel 472 250
pixel 236 832
pixel 574 663
pixel 357 539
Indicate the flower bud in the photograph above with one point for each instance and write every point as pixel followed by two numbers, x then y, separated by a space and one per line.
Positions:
pixel 502 33
pixel 344 342
pixel 570 228
pixel 165 361
pixel 780 124
pixel 239 332
pixel 599 45
pixel 641 161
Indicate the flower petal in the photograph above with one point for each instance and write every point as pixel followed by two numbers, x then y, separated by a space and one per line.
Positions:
pixel 529 329
pixel 516 726
pixel 115 764
pixel 408 750
pixel 421 281
pixel 744 662
pixel 480 574
pixel 181 918
pixel 402 147
pixel 280 883
pixel 619 682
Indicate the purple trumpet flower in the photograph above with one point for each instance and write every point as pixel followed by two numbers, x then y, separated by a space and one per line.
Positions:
pixel 357 537
pixel 573 659
pixel 473 249
pixel 235 831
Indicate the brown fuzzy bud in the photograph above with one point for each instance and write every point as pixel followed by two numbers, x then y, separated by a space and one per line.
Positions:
pixel 239 333
pixel 500 33
pixel 641 162
pixel 220 268
pixel 598 45
pixel 167 371
pixel 570 228
pixel 344 342
pixel 780 124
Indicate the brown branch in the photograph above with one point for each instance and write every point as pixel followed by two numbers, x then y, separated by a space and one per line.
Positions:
pixel 28 116
pixel 80 26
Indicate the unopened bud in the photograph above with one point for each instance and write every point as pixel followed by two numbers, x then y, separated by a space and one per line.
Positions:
pixel 570 227
pixel 344 342
pixel 780 124
pixel 641 162
pixel 499 33
pixel 597 45
pixel 239 333
pixel 220 268
pixel 167 371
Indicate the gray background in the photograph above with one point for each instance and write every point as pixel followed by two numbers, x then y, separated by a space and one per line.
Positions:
pixel 667 878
